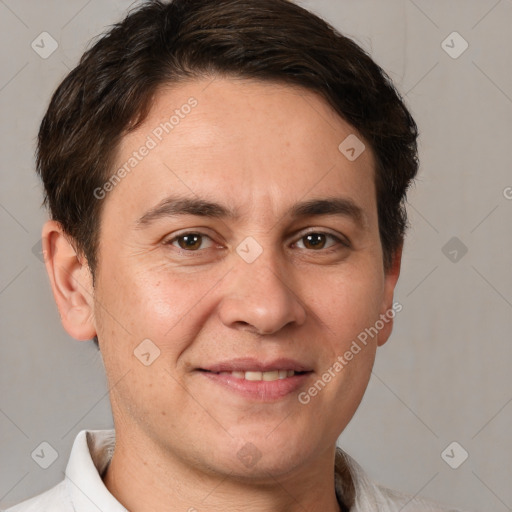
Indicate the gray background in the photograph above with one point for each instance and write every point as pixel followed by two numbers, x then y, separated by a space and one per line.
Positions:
pixel 444 375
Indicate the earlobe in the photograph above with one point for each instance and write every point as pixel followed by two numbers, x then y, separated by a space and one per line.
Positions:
pixel 71 282
pixel 388 310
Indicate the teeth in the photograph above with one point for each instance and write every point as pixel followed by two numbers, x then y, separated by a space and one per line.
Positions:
pixel 257 376
pixel 270 375
pixel 253 375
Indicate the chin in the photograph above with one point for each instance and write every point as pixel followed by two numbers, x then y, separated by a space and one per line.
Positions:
pixel 263 467
pixel 276 454
pixel 250 453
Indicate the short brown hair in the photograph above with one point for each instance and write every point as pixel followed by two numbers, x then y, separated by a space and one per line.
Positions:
pixel 109 93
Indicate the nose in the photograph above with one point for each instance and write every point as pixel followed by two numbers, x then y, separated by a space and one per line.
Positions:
pixel 259 297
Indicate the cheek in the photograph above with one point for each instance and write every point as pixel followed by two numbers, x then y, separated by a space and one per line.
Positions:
pixel 348 307
pixel 157 304
pixel 134 307
pixel 350 302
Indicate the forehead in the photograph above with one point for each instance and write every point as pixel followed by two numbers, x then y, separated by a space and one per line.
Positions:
pixel 256 143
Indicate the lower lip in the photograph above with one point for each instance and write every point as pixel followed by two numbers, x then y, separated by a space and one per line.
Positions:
pixel 260 390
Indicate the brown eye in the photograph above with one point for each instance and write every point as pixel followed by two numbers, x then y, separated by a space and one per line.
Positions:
pixel 189 241
pixel 314 241
pixel 317 240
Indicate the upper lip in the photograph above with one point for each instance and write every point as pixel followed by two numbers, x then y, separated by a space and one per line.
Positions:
pixel 245 364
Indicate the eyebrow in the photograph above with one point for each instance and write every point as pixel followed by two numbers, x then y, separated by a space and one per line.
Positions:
pixel 177 205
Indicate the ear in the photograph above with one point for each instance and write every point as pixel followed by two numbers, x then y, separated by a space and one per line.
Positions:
pixel 71 282
pixel 388 311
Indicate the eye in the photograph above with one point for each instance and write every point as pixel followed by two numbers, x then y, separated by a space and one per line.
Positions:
pixel 189 241
pixel 194 241
pixel 316 240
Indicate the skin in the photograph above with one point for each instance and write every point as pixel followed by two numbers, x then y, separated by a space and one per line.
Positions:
pixel 259 147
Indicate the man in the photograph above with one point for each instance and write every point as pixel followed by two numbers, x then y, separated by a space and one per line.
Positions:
pixel 226 181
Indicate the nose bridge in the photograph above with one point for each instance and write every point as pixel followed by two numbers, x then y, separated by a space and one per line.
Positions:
pixel 260 293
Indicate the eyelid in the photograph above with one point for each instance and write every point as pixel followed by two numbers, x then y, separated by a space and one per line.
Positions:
pixel 340 239
pixel 172 238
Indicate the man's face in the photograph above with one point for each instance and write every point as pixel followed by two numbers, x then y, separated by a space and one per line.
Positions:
pixel 261 285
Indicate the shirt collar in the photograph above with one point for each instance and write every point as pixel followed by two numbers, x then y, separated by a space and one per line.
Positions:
pixel 93 449
pixel 90 456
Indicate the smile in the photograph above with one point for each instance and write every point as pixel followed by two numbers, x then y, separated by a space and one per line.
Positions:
pixel 256 375
pixel 260 386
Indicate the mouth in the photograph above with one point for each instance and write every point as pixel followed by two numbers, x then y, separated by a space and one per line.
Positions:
pixel 257 385
pixel 258 376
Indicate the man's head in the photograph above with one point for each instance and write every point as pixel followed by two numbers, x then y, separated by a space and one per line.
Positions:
pixel 233 173
pixel 110 92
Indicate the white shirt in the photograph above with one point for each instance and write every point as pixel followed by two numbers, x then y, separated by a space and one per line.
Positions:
pixel 83 490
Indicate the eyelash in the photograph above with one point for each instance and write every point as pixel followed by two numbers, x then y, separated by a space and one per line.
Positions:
pixel 338 241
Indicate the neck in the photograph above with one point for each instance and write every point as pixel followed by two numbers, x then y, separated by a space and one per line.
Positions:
pixel 145 479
